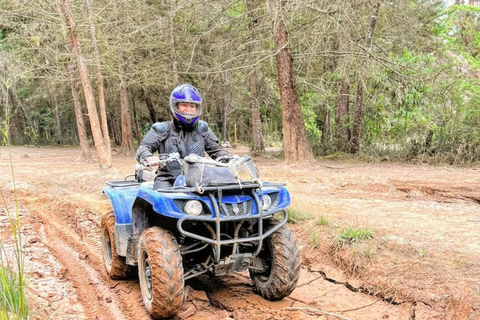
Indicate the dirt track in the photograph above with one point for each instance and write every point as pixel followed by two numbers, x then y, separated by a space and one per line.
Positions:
pixel 423 262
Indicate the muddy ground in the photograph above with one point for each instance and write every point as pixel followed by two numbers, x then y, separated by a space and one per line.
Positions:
pixel 423 261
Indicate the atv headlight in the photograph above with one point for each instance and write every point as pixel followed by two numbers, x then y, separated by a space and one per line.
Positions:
pixel 266 202
pixel 193 207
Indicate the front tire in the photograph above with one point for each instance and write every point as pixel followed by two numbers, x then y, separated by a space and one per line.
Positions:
pixel 115 264
pixel 160 272
pixel 279 262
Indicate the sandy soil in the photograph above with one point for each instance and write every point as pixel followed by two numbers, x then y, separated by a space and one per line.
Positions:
pixel 423 261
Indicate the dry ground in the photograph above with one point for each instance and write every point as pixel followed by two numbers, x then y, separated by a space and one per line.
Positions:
pixel 423 261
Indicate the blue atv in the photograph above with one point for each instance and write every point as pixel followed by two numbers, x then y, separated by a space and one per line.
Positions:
pixel 217 219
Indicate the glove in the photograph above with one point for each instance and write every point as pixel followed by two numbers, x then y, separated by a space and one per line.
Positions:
pixel 225 158
pixel 151 161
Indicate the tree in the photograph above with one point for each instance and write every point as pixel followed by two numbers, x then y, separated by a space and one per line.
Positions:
pixel 257 137
pixel 104 160
pixel 100 91
pixel 342 110
pixel 126 147
pixel 295 143
pixel 85 155
pixel 357 122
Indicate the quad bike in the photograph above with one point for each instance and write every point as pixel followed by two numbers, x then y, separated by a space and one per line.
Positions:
pixel 218 218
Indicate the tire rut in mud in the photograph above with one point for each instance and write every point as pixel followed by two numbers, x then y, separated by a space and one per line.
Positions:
pixel 73 234
pixel 76 245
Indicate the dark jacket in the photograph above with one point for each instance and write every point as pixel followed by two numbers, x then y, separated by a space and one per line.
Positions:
pixel 166 138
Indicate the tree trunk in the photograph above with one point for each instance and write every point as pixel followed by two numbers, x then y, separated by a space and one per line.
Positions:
pixel 357 122
pixel 18 117
pixel 295 144
pixel 126 148
pixel 341 116
pixel 224 123
pixel 172 38
pixel 4 103
pixel 257 137
pixel 326 127
pixel 101 94
pixel 85 155
pixel 150 107
pixel 104 160
pixel 135 121
pixel 56 113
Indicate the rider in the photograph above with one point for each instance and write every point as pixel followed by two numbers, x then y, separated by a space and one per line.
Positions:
pixel 185 134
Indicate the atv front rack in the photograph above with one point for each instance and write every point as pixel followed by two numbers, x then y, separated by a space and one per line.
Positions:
pixel 230 186
pixel 217 219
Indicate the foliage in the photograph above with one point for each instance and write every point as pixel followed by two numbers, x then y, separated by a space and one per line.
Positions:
pixel 322 221
pixel 351 234
pixel 310 117
pixel 421 75
pixel 296 216
pixel 314 238
pixel 13 303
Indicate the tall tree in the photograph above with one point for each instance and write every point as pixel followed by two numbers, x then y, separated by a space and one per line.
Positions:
pixel 100 91
pixel 357 122
pixel 295 143
pixel 85 155
pixel 104 160
pixel 56 112
pixel 342 132
pixel 257 137
pixel 173 39
pixel 126 147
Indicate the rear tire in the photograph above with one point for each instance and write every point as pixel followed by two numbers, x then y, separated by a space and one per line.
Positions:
pixel 115 264
pixel 160 272
pixel 280 264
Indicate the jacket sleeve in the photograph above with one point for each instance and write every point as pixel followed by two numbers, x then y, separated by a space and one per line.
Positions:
pixel 152 141
pixel 212 147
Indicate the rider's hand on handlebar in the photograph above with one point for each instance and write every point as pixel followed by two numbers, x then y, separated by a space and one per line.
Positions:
pixel 151 161
pixel 224 159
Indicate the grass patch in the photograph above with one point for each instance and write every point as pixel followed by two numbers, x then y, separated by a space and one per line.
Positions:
pixel 12 295
pixel 295 216
pixel 322 221
pixel 350 251
pixel 13 302
pixel 354 235
pixel 314 238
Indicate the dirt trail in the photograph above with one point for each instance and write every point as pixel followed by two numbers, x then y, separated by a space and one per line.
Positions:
pixel 62 206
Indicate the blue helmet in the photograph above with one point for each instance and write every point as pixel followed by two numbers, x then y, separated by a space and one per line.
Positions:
pixel 186 93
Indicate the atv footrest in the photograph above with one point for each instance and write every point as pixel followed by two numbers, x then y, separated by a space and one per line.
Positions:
pixel 233 263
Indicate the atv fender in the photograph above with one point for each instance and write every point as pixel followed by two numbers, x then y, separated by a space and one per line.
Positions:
pixel 122 200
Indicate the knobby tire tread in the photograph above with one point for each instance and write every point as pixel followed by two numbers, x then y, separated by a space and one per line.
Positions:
pixel 166 272
pixel 285 268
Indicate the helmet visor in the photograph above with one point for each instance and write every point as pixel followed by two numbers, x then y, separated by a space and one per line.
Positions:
pixel 187 109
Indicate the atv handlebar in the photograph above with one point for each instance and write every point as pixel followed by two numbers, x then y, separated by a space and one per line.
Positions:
pixel 172 157
pixel 163 160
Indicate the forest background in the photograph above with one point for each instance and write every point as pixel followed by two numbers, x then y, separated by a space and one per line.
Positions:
pixel 384 79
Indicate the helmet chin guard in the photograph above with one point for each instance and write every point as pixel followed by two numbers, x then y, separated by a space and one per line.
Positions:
pixel 188 94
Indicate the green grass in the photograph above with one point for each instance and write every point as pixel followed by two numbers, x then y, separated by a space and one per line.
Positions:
pixel 354 235
pixel 12 295
pixel 13 302
pixel 296 216
pixel 314 238
pixel 322 221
